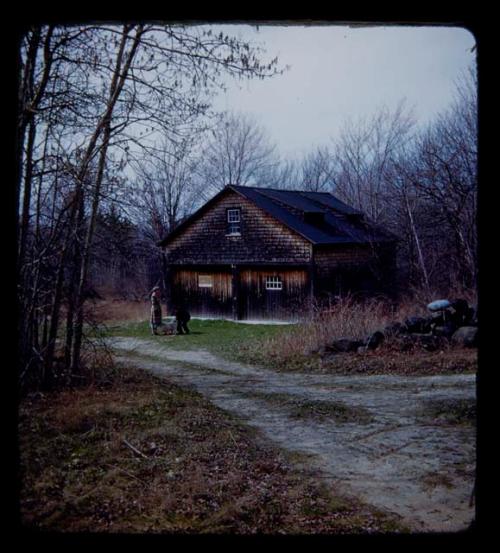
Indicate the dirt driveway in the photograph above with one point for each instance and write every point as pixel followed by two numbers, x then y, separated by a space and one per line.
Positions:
pixel 379 442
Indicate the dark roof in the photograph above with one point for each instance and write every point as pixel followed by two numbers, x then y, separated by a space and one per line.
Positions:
pixel 336 222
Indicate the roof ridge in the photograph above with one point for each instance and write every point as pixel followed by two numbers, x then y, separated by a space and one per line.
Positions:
pixel 277 201
pixel 257 188
pixel 324 207
pixel 345 231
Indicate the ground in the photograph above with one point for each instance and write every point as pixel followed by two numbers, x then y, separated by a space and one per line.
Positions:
pixel 204 433
pixel 139 454
pixel 403 444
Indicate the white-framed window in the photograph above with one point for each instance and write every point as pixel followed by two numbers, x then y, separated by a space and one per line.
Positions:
pixel 205 281
pixel 233 221
pixel 274 283
pixel 233 215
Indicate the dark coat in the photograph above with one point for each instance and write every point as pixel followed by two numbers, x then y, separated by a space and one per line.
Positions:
pixel 182 315
pixel 155 310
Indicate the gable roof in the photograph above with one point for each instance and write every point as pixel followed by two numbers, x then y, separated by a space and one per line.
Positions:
pixel 340 223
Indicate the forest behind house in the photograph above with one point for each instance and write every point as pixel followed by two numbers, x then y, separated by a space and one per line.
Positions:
pixel 117 143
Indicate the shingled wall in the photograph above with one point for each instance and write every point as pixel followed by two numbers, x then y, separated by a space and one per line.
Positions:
pixel 262 240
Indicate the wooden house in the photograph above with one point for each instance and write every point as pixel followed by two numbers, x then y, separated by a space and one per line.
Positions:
pixel 260 253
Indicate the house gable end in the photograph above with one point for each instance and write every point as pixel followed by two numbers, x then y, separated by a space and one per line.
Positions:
pixel 206 238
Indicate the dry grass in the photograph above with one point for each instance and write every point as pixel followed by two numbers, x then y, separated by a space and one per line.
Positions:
pixel 117 310
pixel 301 408
pixel 451 411
pixel 302 347
pixel 347 318
pixel 294 347
pixel 197 471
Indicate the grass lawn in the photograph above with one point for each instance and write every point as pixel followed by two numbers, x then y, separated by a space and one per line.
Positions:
pixel 144 455
pixel 254 344
pixel 218 336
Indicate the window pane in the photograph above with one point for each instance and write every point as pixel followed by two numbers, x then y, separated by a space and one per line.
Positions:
pixel 274 283
pixel 233 215
pixel 233 228
pixel 205 281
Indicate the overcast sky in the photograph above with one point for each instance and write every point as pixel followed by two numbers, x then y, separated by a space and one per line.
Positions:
pixel 338 72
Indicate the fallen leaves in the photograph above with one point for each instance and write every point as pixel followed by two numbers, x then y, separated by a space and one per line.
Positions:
pixel 189 467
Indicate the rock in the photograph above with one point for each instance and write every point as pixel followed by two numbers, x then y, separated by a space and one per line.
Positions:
pixel 462 314
pixel 362 349
pixel 344 345
pixel 460 305
pixel 474 319
pixel 374 341
pixel 405 342
pixel 428 342
pixel 419 325
pixel 438 305
pixel 446 330
pixel 439 318
pixel 466 336
pixel 470 317
pixel 394 329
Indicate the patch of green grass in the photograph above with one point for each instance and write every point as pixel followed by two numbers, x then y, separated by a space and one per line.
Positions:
pixel 214 335
pixel 301 408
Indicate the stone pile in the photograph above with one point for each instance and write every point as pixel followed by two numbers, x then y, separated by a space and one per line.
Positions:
pixel 448 322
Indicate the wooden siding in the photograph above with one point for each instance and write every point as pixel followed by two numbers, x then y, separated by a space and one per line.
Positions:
pixel 330 258
pixel 215 301
pixel 343 269
pixel 242 294
pixel 263 239
pixel 256 302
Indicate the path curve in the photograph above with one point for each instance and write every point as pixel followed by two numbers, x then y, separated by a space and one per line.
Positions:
pixel 401 461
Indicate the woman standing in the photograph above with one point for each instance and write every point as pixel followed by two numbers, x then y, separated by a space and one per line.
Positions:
pixel 155 320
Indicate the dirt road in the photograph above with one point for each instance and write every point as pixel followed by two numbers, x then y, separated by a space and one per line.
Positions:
pixel 385 449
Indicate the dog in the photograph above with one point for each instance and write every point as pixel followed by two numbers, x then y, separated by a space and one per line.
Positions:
pixel 167 329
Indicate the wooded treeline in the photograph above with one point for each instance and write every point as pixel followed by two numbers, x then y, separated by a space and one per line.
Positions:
pixel 92 101
pixel 418 181
pixel 117 143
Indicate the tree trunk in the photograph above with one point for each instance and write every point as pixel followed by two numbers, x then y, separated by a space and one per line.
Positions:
pixel 48 377
pixel 58 288
pixel 104 129
pixel 417 244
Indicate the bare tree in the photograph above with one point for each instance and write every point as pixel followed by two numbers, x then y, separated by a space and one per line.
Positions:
pixel 317 171
pixel 363 154
pixel 444 172
pixel 99 93
pixel 285 175
pixel 430 199
pixel 166 189
pixel 238 152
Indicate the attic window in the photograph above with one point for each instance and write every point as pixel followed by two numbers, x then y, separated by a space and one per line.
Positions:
pixel 274 283
pixel 233 221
